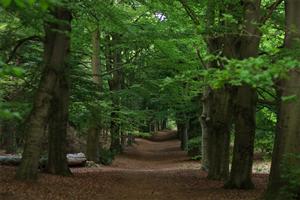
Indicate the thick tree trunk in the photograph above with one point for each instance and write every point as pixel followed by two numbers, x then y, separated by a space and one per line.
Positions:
pixel 215 119
pixel 246 101
pixel 57 134
pixel 216 123
pixel 219 134
pixel 287 141
pixel 93 136
pixel 55 52
pixel 241 171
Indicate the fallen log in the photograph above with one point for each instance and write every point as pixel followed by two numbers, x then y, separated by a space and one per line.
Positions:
pixel 78 159
pixel 10 160
pixel 74 160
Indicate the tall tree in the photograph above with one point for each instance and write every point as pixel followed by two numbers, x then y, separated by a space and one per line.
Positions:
pixel 287 141
pixel 55 57
pixel 245 101
pixel 114 66
pixel 59 110
pixel 94 131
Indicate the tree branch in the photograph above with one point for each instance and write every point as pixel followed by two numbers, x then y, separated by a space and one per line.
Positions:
pixel 270 11
pixel 20 43
pixel 190 12
pixel 201 59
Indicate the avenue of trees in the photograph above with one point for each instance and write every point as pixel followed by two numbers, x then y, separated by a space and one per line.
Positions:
pixel 224 72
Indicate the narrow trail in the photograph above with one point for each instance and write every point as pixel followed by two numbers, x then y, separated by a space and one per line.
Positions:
pixel 149 170
pixel 161 153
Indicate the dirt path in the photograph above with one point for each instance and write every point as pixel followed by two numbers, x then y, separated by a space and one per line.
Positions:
pixel 150 170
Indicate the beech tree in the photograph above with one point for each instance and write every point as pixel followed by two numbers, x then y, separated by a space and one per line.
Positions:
pixel 287 148
pixel 53 84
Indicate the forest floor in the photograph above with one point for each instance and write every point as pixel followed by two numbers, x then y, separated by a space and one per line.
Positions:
pixel 149 170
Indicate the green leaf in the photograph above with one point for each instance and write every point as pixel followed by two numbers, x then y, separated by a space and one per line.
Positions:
pixel 17 71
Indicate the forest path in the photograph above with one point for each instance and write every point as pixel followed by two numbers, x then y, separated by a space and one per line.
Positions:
pixel 149 170
pixel 161 153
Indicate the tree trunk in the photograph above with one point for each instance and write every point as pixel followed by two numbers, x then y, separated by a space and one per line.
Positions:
pixel 164 124
pixel 287 141
pixel 57 134
pixel 94 133
pixel 216 124
pixel 219 122
pixel 246 101
pixel 185 136
pixel 115 134
pixel 114 62
pixel 55 52
pixel 204 126
pixel 180 129
pixel 215 118
pixel 241 170
pixel 93 146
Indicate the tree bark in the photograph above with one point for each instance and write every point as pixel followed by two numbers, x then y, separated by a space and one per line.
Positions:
pixel 204 126
pixel 215 118
pixel 55 53
pixel 287 141
pixel 219 122
pixel 93 137
pixel 164 124
pixel 241 170
pixel 246 101
pixel 57 134
pixel 185 136
pixel 114 61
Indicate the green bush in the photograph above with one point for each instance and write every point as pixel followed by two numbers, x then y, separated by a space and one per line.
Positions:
pixel 194 148
pixel 264 143
pixel 265 128
pixel 140 134
pixel 106 157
